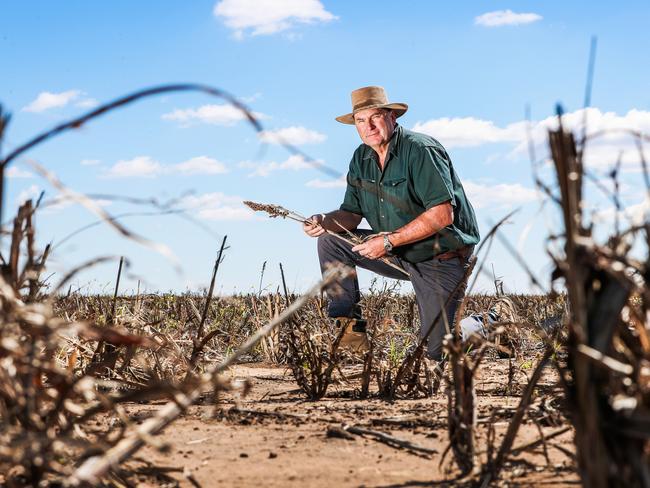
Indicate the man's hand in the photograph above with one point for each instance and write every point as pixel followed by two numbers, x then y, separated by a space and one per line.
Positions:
pixel 313 227
pixel 372 248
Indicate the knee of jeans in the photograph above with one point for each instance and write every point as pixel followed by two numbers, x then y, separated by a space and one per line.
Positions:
pixel 324 242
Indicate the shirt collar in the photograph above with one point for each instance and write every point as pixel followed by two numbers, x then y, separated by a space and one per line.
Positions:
pixel 395 139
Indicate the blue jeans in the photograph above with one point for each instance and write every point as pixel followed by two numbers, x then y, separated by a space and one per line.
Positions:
pixel 433 280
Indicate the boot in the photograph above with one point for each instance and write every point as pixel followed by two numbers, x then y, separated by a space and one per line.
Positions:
pixel 354 338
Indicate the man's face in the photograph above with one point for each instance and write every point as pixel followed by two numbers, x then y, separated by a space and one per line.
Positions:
pixel 375 126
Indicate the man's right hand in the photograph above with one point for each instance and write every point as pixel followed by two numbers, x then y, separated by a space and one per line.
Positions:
pixel 313 227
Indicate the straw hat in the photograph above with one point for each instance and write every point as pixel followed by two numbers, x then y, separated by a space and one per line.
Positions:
pixel 371 97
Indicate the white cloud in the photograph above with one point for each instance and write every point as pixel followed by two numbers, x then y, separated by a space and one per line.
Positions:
pixel 500 18
pixel 87 103
pixel 604 156
pixel 635 215
pixel 17 172
pixel 294 135
pixel 90 162
pixel 501 195
pixel 200 165
pixel 47 100
pixel 264 17
pixel 469 131
pixel 293 163
pixel 216 114
pixel 601 153
pixel 217 206
pixel 141 166
pixel 147 167
pixel 318 183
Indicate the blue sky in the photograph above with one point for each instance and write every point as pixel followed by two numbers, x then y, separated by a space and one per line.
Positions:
pixel 466 69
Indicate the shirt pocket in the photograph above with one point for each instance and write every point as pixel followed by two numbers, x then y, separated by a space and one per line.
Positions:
pixel 395 193
pixel 368 195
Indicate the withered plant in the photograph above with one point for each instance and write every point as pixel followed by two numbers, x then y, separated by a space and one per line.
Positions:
pixel 609 336
pixel 313 353
pixel 45 404
pixel 263 308
pixel 393 323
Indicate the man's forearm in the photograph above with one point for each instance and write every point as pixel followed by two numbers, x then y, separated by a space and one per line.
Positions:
pixel 340 220
pixel 424 225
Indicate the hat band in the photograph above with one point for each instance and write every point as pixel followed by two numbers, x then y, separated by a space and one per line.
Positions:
pixel 369 102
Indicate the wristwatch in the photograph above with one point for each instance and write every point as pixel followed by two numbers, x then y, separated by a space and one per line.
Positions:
pixel 387 244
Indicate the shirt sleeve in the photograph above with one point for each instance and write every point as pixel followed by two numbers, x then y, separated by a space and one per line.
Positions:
pixel 432 177
pixel 351 201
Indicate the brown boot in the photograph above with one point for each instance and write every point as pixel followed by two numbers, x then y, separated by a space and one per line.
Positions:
pixel 354 338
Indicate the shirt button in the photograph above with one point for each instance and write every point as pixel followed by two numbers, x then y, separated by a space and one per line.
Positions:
pixel 381 199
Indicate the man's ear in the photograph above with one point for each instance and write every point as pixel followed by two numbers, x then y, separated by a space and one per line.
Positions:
pixel 393 116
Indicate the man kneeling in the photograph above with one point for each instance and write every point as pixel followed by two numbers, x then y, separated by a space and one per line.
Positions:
pixel 404 185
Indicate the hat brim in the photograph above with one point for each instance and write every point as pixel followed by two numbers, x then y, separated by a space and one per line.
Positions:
pixel 399 109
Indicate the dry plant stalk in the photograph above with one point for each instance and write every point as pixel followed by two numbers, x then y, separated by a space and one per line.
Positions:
pixel 27 277
pixel 274 210
pixel 392 335
pixel 461 413
pixel 464 358
pixel 45 407
pixel 272 345
pixel 313 353
pixel 608 397
pixel 199 342
pixel 106 353
pixel 494 465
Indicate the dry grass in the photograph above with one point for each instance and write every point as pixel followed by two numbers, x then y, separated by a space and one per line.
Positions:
pixel 68 359
pixel 55 381
pixel 172 319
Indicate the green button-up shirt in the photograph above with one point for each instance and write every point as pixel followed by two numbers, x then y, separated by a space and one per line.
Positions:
pixel 417 175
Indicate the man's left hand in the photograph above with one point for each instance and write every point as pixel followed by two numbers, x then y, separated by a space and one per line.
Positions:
pixel 372 248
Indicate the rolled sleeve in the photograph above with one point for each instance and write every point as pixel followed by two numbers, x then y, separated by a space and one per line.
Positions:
pixel 432 177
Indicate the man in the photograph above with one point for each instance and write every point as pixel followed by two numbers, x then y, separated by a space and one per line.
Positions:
pixel 404 185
